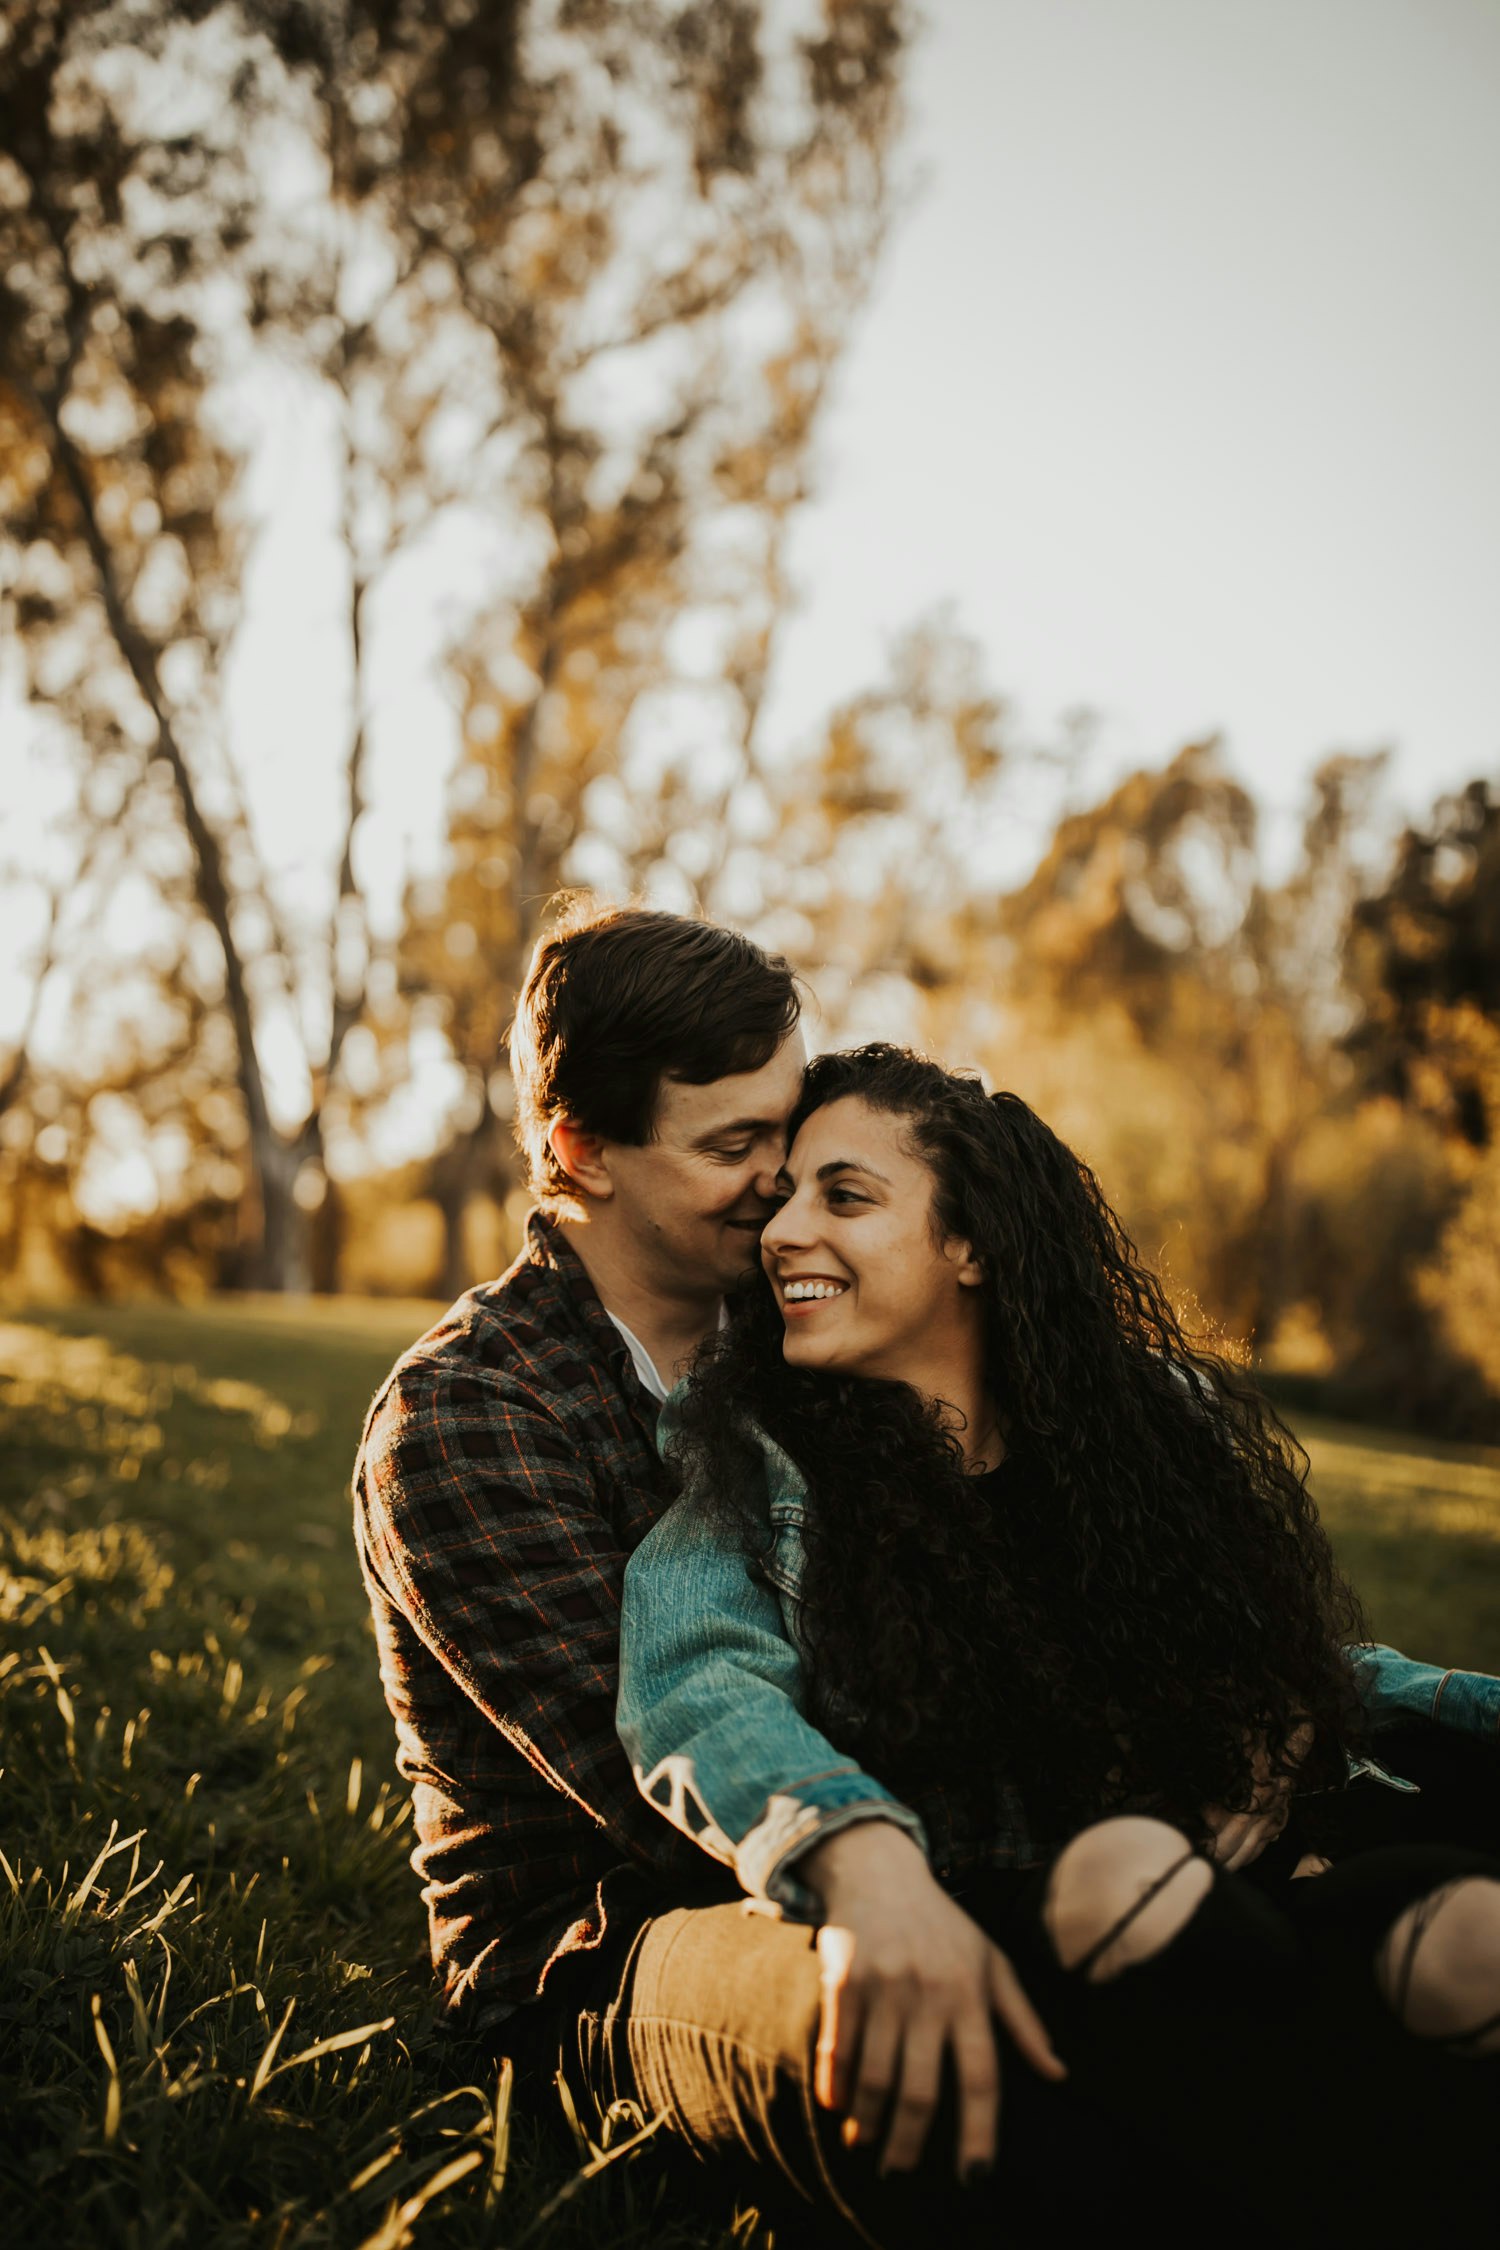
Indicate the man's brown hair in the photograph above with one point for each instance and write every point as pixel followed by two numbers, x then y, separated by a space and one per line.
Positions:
pixel 619 998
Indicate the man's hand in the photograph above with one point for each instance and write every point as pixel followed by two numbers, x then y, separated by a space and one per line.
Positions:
pixel 1240 1837
pixel 906 1974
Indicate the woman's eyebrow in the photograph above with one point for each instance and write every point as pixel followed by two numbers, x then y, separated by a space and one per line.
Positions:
pixel 851 1164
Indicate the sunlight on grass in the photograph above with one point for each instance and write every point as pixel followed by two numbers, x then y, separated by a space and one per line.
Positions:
pixel 1416 1524
pixel 114 1402
pixel 221 2030
pixel 218 2026
pixel 1410 1483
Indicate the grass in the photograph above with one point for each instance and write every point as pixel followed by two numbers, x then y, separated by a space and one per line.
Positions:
pixel 216 2025
pixel 1416 1525
pixel 215 2021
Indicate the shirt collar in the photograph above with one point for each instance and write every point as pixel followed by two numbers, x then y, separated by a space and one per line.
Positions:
pixel 548 1245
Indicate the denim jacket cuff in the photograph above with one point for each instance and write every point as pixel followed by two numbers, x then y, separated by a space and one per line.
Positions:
pixel 1393 1686
pixel 767 1858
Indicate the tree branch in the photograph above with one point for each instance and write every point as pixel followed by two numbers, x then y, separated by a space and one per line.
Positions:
pixel 211 885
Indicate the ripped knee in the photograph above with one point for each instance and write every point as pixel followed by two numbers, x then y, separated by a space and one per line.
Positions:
pixel 1438 1966
pixel 1120 1893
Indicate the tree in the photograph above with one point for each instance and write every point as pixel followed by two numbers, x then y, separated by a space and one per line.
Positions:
pixel 120 563
pixel 1178 1017
pixel 502 207
pixel 1425 953
pixel 882 845
pixel 130 198
pixel 720 324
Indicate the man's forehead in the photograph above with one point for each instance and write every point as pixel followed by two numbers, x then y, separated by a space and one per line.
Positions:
pixel 745 1101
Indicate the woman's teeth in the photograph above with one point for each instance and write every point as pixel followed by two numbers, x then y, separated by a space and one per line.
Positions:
pixel 799 1292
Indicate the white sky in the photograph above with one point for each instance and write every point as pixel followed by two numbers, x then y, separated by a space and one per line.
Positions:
pixel 1181 380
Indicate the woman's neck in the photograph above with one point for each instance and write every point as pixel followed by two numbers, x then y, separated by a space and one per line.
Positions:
pixel 976 1425
pixel 950 1369
pixel 969 1412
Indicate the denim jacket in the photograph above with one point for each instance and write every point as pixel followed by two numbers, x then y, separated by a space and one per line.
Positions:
pixel 713 1709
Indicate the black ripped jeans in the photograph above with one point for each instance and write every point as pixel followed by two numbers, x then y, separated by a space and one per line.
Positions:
pixel 1245 2085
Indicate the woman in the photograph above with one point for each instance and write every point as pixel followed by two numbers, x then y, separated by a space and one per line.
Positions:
pixel 973 1538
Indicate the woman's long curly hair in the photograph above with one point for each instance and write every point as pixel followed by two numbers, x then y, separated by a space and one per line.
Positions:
pixel 1145 1596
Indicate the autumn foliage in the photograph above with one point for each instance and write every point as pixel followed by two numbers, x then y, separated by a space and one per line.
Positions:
pixel 569 283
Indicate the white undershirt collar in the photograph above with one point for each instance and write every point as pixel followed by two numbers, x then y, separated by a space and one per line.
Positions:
pixel 645 1365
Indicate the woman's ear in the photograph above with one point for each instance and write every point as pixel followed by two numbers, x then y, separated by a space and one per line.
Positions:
pixel 970 1271
pixel 581 1155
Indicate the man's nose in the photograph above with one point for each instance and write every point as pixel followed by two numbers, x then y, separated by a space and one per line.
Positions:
pixel 765 1183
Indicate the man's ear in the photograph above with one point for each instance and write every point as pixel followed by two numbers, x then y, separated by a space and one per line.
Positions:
pixel 581 1155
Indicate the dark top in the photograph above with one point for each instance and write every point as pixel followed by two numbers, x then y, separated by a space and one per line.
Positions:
pixel 990 1484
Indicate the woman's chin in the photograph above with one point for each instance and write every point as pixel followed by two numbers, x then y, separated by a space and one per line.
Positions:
pixel 801 1350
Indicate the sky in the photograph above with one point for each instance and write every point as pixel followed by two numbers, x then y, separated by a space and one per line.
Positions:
pixel 1180 380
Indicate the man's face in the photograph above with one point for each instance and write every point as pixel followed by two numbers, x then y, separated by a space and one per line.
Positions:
pixel 694 1198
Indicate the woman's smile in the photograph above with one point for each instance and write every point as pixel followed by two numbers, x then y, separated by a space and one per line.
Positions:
pixel 807 1292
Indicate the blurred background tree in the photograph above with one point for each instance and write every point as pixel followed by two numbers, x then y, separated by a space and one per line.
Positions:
pixel 660 386
pixel 120 569
pixel 1425 958
pixel 559 289
pixel 437 218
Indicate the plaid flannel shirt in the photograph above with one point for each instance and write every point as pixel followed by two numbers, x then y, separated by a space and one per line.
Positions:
pixel 507 1469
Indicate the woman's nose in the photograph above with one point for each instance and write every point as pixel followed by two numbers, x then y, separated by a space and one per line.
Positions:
pixel 782 1230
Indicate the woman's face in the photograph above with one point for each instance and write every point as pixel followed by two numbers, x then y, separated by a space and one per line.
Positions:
pixel 864 1281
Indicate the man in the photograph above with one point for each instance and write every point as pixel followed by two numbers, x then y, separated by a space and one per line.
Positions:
pixel 507 1470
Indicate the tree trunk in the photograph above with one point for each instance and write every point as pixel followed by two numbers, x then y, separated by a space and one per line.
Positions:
pixel 277 1253
pixel 453 1274
pixel 1270 1260
pixel 456 1177
pixel 325 1238
pixel 280 1260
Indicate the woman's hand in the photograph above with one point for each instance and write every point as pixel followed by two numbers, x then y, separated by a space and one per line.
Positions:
pixel 906 1975
pixel 1238 1838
